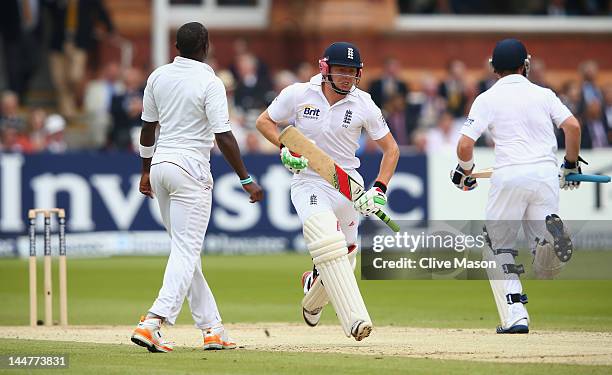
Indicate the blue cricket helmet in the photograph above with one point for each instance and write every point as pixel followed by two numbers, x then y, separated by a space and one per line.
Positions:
pixel 509 54
pixel 343 53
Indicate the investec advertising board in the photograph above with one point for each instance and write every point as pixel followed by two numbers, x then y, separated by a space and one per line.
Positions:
pixel 107 215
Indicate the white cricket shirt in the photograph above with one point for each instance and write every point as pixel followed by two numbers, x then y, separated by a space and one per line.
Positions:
pixel 335 129
pixel 189 102
pixel 520 116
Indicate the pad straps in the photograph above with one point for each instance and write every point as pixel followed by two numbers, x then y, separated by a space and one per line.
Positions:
pixel 516 298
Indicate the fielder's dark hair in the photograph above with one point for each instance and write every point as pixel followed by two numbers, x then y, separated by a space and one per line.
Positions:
pixel 191 38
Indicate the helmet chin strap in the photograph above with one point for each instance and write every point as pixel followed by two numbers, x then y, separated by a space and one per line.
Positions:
pixel 337 89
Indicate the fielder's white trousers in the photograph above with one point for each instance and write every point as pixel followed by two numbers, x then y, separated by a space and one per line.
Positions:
pixel 185 204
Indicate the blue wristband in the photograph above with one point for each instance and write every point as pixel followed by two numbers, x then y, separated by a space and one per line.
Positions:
pixel 246 181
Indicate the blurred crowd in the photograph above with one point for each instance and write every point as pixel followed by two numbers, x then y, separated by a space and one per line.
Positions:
pixel 517 7
pixel 424 112
pixel 430 116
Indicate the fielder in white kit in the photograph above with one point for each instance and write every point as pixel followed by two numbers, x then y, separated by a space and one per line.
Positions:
pixel 331 111
pixel 188 102
pixel 525 183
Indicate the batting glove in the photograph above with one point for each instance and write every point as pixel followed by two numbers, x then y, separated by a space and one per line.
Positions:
pixel 461 180
pixel 371 201
pixel 570 167
pixel 295 163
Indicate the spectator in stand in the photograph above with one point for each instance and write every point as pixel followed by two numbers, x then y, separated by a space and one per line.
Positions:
pixel 537 73
pixel 230 87
pixel 305 71
pixel 241 48
pixel 595 130
pixel 590 91
pixel 452 89
pixel 592 108
pixel 488 80
pixel 283 79
pixel 9 115
pixel 13 140
pixel 253 91
pixel 54 127
pixel 97 102
pixel 556 8
pixel 425 107
pixel 571 96
pixel 36 130
pixel 607 94
pixel 445 136
pixel 126 109
pixel 252 144
pixel 72 35
pixel 389 85
pixel 396 116
pixel 236 115
pixel 21 32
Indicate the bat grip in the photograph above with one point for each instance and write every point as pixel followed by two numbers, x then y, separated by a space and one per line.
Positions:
pixel 387 220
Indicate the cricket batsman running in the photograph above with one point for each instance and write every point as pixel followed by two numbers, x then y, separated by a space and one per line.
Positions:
pixel 331 111
pixel 525 183
pixel 188 102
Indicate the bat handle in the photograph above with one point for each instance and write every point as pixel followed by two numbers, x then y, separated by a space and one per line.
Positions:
pixel 387 220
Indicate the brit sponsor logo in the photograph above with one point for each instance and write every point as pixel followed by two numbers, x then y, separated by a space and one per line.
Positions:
pixel 311 112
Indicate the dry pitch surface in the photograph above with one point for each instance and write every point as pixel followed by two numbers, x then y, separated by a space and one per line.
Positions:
pixel 583 348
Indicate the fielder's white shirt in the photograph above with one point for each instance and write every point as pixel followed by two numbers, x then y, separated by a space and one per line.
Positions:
pixel 189 102
pixel 520 116
pixel 336 129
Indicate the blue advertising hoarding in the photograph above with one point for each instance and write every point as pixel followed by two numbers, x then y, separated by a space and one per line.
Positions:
pixel 100 194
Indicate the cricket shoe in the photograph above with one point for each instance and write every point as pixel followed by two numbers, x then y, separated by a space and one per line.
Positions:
pixel 361 329
pixel 147 334
pixel 562 244
pixel 309 278
pixel 519 327
pixel 217 339
pixel 311 318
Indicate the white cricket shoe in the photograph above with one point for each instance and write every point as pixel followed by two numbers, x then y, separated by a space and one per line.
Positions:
pixel 361 329
pixel 313 317
pixel 147 334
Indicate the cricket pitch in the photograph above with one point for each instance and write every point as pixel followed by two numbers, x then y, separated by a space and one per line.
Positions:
pixel 565 347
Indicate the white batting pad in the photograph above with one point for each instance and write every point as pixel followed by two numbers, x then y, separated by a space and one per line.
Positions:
pixel 328 249
pixel 316 297
pixel 503 284
pixel 546 265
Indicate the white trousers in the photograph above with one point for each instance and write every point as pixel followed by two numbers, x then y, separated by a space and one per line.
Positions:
pixel 313 196
pixel 185 204
pixel 519 196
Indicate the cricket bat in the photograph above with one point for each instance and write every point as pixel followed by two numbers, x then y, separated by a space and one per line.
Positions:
pixel 325 166
pixel 487 173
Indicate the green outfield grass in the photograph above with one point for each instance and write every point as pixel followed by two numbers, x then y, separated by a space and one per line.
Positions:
pixel 266 288
pixel 125 360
